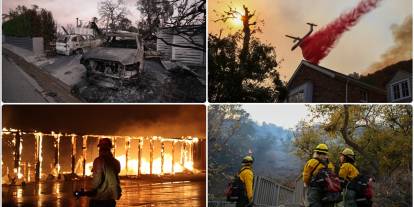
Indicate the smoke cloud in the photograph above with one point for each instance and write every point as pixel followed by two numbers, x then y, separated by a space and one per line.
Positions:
pixel 317 46
pixel 127 120
pixel 402 49
pixel 184 123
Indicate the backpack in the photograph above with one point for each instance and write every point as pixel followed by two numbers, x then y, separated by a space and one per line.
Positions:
pixel 329 182
pixel 235 189
pixel 363 189
pixel 326 179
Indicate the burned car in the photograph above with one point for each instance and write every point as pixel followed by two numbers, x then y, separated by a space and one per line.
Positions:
pixel 75 44
pixel 119 60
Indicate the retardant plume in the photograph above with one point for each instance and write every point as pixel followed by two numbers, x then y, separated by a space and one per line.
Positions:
pixel 317 46
pixel 401 50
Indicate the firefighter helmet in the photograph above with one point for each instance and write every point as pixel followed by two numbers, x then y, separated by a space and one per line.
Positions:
pixel 348 152
pixel 248 159
pixel 322 148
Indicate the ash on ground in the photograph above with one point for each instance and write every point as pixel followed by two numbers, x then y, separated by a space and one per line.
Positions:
pixel 161 81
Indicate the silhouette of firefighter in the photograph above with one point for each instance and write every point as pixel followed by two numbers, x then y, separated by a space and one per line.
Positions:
pixel 106 187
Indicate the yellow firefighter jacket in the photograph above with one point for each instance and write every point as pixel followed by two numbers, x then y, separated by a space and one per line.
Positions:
pixel 310 166
pixel 246 176
pixel 348 172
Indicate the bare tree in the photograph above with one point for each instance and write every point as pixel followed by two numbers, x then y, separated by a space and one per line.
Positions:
pixel 154 13
pixel 70 28
pixel 249 28
pixel 188 21
pixel 112 12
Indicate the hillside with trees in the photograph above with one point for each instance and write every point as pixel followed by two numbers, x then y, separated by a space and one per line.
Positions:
pixel 233 134
pixel 380 135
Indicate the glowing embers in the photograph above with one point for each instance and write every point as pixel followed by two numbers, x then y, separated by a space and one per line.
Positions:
pixel 33 156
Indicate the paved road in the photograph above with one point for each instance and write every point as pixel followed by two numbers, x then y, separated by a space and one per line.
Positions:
pixel 134 193
pixel 17 86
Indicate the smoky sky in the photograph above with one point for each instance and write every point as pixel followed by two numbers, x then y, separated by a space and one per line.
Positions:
pixel 360 47
pixel 66 12
pixel 137 120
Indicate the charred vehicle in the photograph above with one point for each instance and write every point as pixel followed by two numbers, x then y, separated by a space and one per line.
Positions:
pixel 119 60
pixel 75 44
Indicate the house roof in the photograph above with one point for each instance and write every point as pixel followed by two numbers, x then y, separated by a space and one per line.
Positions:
pixel 380 78
pixel 335 75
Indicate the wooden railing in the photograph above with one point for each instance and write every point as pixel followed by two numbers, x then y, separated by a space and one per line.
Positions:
pixel 269 193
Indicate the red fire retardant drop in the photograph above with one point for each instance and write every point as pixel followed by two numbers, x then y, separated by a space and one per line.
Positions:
pixel 317 46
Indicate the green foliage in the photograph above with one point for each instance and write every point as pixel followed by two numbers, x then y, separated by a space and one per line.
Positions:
pixel 33 22
pixel 380 135
pixel 308 136
pixel 233 135
pixel 258 82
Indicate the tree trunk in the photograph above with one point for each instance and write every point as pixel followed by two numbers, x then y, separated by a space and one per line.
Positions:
pixel 246 39
pixel 345 135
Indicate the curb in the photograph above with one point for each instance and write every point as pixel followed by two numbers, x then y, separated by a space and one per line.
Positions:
pixel 51 88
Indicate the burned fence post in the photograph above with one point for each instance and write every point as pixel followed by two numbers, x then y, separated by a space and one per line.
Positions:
pixel 127 146
pixel 17 153
pixel 73 140
pixel 57 155
pixel 38 155
pixel 84 141
pixel 140 143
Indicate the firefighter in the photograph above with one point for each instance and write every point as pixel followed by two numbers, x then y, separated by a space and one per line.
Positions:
pixel 246 176
pixel 347 172
pixel 311 169
pixel 105 188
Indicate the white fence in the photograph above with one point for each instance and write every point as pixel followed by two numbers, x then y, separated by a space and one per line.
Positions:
pixel 269 193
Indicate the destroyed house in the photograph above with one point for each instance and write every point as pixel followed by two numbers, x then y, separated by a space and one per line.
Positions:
pixel 313 83
pixel 184 54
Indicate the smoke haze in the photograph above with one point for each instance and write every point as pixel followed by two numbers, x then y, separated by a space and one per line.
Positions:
pixel 402 49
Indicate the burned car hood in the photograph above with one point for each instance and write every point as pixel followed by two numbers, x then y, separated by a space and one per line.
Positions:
pixel 123 55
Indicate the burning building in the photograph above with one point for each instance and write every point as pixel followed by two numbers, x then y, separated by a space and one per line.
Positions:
pixel 48 153
pixel 36 156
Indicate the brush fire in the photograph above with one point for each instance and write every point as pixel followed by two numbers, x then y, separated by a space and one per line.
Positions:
pixel 53 155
